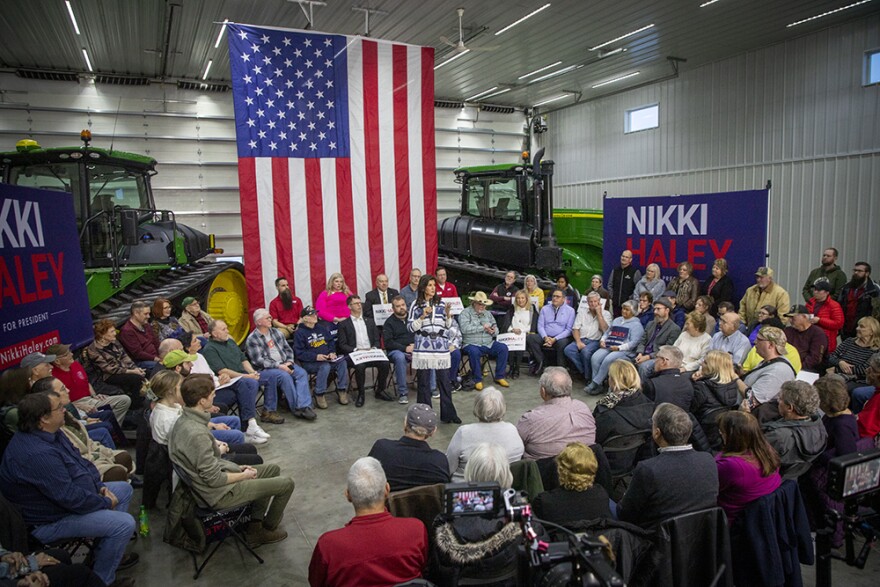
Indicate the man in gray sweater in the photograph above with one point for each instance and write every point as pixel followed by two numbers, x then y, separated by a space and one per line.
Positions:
pixel 478 332
pixel 221 483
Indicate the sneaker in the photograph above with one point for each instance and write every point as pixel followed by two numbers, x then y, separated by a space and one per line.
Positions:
pixel 343 397
pixel 593 389
pixel 478 386
pixel 305 414
pixel 502 382
pixel 259 431
pixel 435 394
pixel 456 386
pixel 253 438
pixel 403 400
pixel 321 402
pixel 128 561
pixel 268 417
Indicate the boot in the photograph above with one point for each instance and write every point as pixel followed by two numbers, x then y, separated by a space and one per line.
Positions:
pixel 359 402
pixel 514 368
pixel 257 534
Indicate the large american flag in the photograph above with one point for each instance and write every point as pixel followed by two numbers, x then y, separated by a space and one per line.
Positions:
pixel 336 162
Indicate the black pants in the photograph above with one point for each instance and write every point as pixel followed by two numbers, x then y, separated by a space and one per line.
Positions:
pixel 68 575
pixel 360 375
pixel 243 454
pixel 554 354
pixel 131 384
pixel 447 408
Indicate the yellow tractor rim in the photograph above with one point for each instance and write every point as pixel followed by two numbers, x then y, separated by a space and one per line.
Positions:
pixel 227 301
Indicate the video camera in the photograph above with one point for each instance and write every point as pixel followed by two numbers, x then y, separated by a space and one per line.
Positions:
pixel 578 562
pixel 854 475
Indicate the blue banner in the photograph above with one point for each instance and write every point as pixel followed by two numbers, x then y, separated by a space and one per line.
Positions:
pixel 43 297
pixel 699 228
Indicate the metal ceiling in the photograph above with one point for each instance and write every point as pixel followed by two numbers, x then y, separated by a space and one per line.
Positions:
pixel 170 40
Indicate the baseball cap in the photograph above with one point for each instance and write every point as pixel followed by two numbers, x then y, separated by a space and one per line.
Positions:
pixel 59 350
pixel 764 271
pixel 421 415
pixel 177 357
pixel 822 284
pixel 797 309
pixel 188 300
pixel 664 301
pixel 308 311
pixel 32 360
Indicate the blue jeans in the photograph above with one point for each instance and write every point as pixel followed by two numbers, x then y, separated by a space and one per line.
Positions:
pixel 244 392
pixel 454 364
pixel 860 396
pixel 580 358
pixel 232 436
pixel 646 369
pixel 497 351
pixel 112 528
pixel 322 369
pixel 601 362
pixel 399 361
pixel 295 387
pixel 100 433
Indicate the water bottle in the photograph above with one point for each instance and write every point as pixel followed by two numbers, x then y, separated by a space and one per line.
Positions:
pixel 143 522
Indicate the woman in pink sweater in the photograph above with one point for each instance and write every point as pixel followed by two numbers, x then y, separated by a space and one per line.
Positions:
pixel 748 467
pixel 332 303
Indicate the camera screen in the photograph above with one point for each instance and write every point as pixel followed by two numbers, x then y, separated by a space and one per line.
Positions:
pixel 861 477
pixel 480 501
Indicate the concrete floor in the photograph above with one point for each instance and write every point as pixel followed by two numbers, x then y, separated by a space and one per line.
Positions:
pixel 317 455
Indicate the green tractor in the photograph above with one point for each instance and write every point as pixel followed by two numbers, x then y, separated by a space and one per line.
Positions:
pixel 131 250
pixel 507 222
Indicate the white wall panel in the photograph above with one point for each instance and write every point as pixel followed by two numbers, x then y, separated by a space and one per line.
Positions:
pixel 794 113
pixel 192 136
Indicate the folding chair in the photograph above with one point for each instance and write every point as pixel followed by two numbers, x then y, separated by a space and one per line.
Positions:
pixel 622 451
pixel 217 525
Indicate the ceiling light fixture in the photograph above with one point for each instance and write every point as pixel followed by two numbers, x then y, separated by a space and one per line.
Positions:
pixel 451 59
pixel 551 100
pixel 208 68
pixel 539 70
pixel 529 15
pixel 222 30
pixel 88 62
pixel 830 12
pixel 555 73
pixel 617 79
pixel 704 4
pixel 604 54
pixel 72 17
pixel 475 96
pixel 635 32
pixel 498 93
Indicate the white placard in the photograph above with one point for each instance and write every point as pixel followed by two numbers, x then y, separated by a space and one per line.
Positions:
pixel 583 300
pixel 535 300
pixel 514 342
pixel 358 357
pixel 457 306
pixel 807 376
pixel 381 313
pixel 230 382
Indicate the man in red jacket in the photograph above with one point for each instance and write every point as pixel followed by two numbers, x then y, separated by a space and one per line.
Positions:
pixel 826 313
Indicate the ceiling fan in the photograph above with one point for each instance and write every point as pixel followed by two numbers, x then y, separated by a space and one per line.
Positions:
pixel 460 46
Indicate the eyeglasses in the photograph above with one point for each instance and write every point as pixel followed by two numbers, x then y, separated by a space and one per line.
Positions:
pixel 58 409
pixel 759 339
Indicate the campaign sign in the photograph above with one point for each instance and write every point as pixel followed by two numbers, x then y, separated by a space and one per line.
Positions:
pixel 43 297
pixel 699 228
pixel 456 304
pixel 514 342
pixel 367 356
pixel 381 313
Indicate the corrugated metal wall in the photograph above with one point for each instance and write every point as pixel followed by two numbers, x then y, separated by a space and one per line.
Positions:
pixel 794 113
pixel 192 136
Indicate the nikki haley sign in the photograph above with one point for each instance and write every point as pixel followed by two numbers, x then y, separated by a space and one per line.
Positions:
pixel 668 230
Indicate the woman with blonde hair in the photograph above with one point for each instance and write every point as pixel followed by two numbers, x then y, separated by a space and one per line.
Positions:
pixel 652 282
pixel 850 358
pixel 577 498
pixel 693 342
pixel 715 387
pixel 332 303
pixel 521 318
pixel 534 293
pixel 624 408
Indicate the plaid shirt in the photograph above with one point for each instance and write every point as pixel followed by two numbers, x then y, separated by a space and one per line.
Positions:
pixel 258 349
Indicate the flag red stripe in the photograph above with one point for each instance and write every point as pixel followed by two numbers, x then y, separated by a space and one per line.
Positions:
pixel 281 209
pixel 250 230
pixel 345 212
pixel 373 156
pixel 429 166
pixel 401 159
pixel 315 212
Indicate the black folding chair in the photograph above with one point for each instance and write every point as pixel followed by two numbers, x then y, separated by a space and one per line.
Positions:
pixel 622 451
pixel 217 525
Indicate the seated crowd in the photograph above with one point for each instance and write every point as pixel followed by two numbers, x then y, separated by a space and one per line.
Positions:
pixel 714 392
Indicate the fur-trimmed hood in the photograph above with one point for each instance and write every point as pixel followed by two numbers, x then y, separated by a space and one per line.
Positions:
pixel 466 541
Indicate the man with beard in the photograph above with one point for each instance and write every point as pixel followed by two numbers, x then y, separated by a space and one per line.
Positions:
pixel 856 298
pixel 827 270
pixel 399 343
pixel 285 309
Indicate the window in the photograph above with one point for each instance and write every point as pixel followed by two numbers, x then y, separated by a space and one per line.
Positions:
pixel 642 118
pixel 872 67
pixel 494 198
